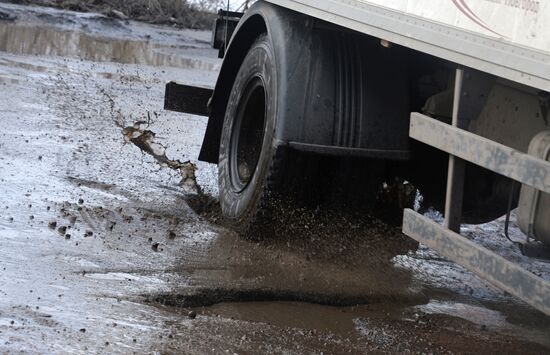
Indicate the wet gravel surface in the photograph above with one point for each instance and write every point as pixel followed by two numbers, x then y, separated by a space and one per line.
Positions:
pixel 107 248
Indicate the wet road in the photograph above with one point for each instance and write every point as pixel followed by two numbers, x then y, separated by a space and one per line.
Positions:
pixel 103 249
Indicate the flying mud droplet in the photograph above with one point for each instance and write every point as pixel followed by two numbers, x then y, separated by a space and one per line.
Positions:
pixel 171 235
pixel 155 247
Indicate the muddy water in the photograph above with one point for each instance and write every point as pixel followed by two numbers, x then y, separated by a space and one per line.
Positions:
pixel 36 40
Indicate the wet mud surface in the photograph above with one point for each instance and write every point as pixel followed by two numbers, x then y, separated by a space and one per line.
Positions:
pixel 111 239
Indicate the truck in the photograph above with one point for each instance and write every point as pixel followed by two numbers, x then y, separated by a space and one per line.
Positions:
pixel 452 96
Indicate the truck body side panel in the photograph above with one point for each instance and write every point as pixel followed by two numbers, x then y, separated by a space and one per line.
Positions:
pixel 506 38
pixel 525 23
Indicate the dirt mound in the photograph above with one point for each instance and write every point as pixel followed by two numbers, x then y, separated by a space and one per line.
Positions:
pixel 176 12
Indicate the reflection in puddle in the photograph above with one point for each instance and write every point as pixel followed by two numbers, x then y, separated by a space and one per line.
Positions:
pixel 47 41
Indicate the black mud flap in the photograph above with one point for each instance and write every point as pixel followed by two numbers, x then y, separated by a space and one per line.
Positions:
pixel 225 25
pixel 187 99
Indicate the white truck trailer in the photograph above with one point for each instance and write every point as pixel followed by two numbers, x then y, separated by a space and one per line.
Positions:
pixel 451 95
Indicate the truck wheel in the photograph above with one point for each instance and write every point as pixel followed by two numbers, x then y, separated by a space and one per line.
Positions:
pixel 248 147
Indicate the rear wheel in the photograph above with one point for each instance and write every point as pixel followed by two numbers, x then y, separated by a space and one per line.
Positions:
pixel 248 147
pixel 264 187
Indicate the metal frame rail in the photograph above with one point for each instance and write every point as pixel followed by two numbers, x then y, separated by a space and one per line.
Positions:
pixel 466 146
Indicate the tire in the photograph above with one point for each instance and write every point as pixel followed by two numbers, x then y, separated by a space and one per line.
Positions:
pixel 248 148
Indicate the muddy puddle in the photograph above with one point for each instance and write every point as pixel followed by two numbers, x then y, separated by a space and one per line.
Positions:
pixel 389 328
pixel 36 40
pixel 284 314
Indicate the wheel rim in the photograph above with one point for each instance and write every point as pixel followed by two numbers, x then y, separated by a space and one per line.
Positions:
pixel 247 135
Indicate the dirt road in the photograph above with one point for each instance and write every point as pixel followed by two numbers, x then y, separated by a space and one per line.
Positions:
pixel 109 248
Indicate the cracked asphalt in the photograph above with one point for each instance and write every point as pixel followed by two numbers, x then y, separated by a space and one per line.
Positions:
pixel 104 250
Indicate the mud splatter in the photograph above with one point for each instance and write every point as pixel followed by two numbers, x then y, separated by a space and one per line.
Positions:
pixel 144 139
